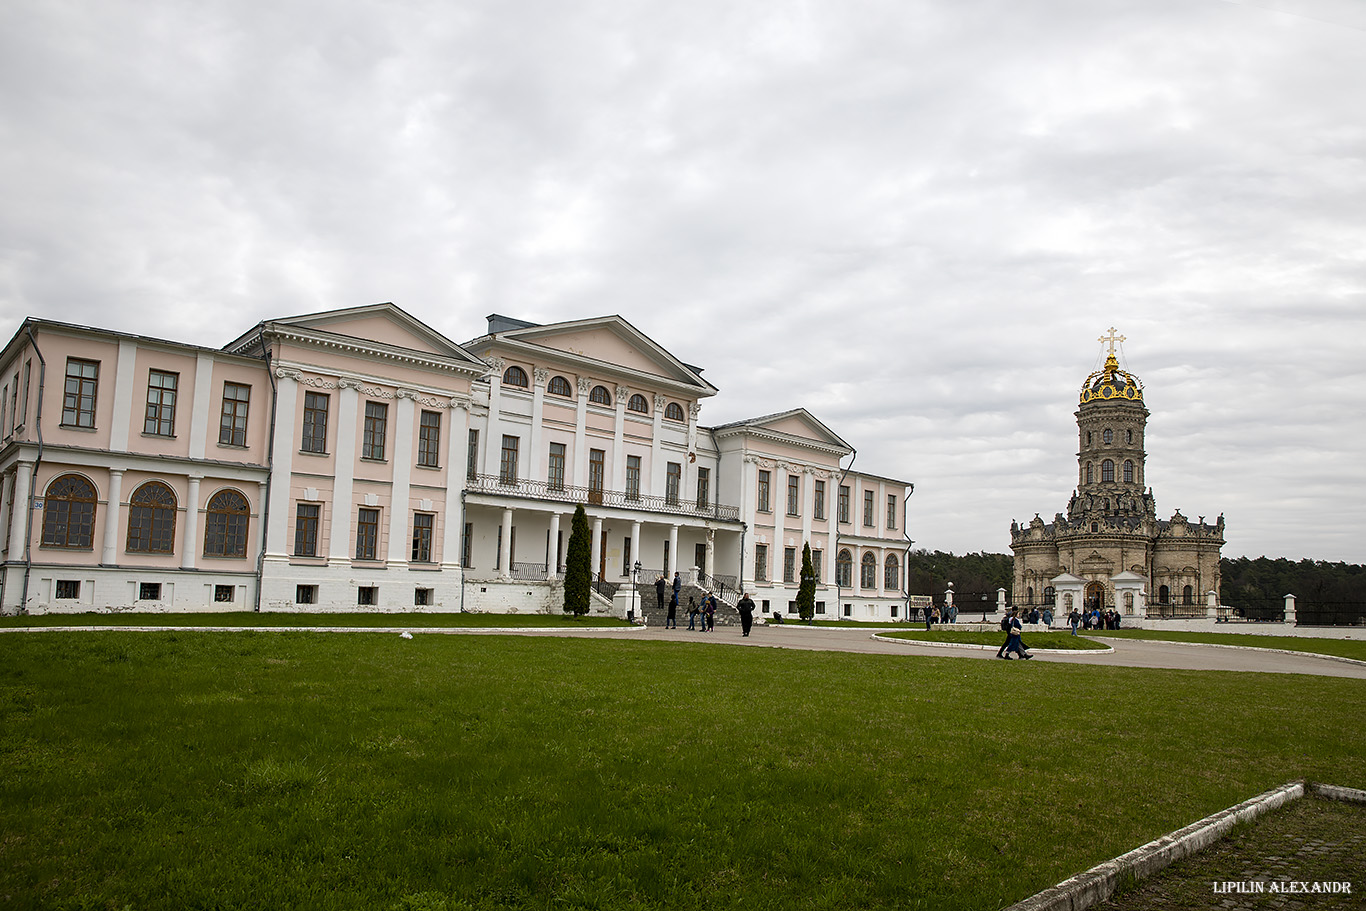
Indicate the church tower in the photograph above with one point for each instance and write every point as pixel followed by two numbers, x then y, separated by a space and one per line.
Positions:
pixel 1110 549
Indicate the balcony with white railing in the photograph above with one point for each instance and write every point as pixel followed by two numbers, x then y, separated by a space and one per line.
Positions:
pixel 523 489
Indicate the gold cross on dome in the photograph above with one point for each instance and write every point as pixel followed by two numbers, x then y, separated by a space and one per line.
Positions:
pixel 1111 338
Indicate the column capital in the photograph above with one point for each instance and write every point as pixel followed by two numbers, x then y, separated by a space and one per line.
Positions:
pixel 585 385
pixel 660 402
pixel 498 365
pixel 541 375
pixel 622 392
pixel 695 409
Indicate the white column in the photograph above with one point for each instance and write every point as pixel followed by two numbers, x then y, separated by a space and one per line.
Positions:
pixel 402 471
pixel 656 459
pixel 125 393
pixel 6 497
pixel 690 468
pixel 456 446
pixel 493 446
pixel 22 507
pixel 200 417
pixel 710 558
pixel 505 546
pixel 552 563
pixel 619 441
pixel 778 501
pixel 597 545
pixel 808 494
pixel 286 401
pixel 190 536
pixel 635 546
pixel 343 478
pixel 673 552
pixel 112 510
pixel 581 433
pixel 534 471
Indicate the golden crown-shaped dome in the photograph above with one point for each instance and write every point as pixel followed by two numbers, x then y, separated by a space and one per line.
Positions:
pixel 1110 384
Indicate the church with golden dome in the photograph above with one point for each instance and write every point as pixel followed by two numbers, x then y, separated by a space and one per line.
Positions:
pixel 1109 550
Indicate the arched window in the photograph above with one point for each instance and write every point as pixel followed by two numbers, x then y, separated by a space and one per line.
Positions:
pixel 225 525
pixel 1067 601
pixel 1128 471
pixel 844 570
pixel 69 513
pixel 1187 595
pixel 1088 439
pixel 1050 595
pixel 638 404
pixel 515 376
pixel 1029 595
pixel 891 574
pixel 1128 436
pixel 868 571
pixel 1128 602
pixel 558 385
pixel 1164 595
pixel 1107 471
pixel 1088 472
pixel 674 412
pixel 1107 436
pixel 151 519
pixel 1095 526
pixel 600 396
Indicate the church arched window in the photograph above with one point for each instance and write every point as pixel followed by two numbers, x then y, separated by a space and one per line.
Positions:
pixel 1029 595
pixel 1164 594
pixel 1050 595
pixel 1095 526
pixel 1128 471
pixel 1108 436
pixel 515 376
pixel 558 385
pixel 1187 595
pixel 1128 436
pixel 1088 472
pixel 1107 471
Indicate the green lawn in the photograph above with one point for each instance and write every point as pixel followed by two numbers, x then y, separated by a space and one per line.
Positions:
pixel 296 770
pixel 1343 648
pixel 413 620
pixel 1062 641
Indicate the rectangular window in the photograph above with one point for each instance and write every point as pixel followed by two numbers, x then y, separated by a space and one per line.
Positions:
pixel 367 595
pixel 224 594
pixel 794 492
pixel 78 403
pixel 761 563
pixel 848 610
pixel 306 529
pixel 893 610
pixel 673 480
pixel 423 523
pixel 626 557
pixel 429 440
pixel 232 425
pixel 816 559
pixel 68 589
pixel 818 510
pixel 367 534
pixel 633 477
pixel 466 544
pixel 14 418
pixel 789 564
pixel 596 471
pixel 315 424
pixel 23 402
pixel 763 491
pixel 868 508
pixel 507 468
pixel 149 591
pixel 305 594
pixel 4 411
pixel 472 456
pixel 703 488
pixel 820 607
pixel 555 476
pixel 843 504
pixel 161 390
pixel 891 511
pixel 376 422
pixel 422 597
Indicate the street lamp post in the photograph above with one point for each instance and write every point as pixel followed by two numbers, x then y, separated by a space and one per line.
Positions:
pixel 635 579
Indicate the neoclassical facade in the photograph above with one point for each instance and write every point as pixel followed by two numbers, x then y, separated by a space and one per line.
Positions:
pixel 1109 549
pixel 358 459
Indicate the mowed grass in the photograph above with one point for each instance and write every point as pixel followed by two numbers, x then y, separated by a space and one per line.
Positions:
pixel 1059 641
pixel 357 620
pixel 1342 648
pixel 296 770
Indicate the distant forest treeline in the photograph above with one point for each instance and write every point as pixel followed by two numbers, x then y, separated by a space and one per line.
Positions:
pixel 1245 581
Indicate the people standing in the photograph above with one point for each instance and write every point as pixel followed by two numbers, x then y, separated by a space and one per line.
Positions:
pixel 660 587
pixel 671 619
pixel 692 612
pixel 746 607
pixel 709 612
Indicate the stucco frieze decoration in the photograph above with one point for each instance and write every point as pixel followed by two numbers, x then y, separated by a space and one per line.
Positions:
pixel 585 385
pixel 542 376
pixel 373 392
pixel 498 365
pixel 622 392
pixel 285 373
pixel 660 402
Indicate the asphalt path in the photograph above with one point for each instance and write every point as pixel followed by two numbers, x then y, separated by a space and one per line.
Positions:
pixel 1123 653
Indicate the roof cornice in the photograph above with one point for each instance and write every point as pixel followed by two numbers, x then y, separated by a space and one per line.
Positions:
pixel 777 436
pixel 593 366
pixel 469 364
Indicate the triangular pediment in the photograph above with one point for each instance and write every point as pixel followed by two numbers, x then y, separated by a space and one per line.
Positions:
pixel 385 325
pixel 798 425
pixel 606 340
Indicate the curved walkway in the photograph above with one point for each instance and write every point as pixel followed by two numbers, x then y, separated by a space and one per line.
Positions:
pixel 1123 652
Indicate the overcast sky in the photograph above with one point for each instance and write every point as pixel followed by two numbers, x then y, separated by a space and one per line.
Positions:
pixel 913 218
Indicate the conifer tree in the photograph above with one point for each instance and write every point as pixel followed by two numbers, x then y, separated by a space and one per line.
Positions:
pixel 806 594
pixel 578 569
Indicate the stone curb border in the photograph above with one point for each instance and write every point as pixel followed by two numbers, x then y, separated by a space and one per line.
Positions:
pixel 1046 651
pixel 1246 648
pixel 1098 883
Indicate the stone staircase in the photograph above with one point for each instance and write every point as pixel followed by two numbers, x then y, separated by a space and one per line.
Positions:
pixel 655 613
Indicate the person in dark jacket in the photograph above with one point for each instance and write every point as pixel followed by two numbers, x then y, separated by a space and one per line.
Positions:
pixel 671 619
pixel 746 607
pixel 660 588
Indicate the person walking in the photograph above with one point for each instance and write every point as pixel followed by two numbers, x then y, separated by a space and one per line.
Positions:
pixel 692 612
pixel 1014 642
pixel 709 612
pixel 1074 618
pixel 671 619
pixel 746 607
pixel 1005 628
